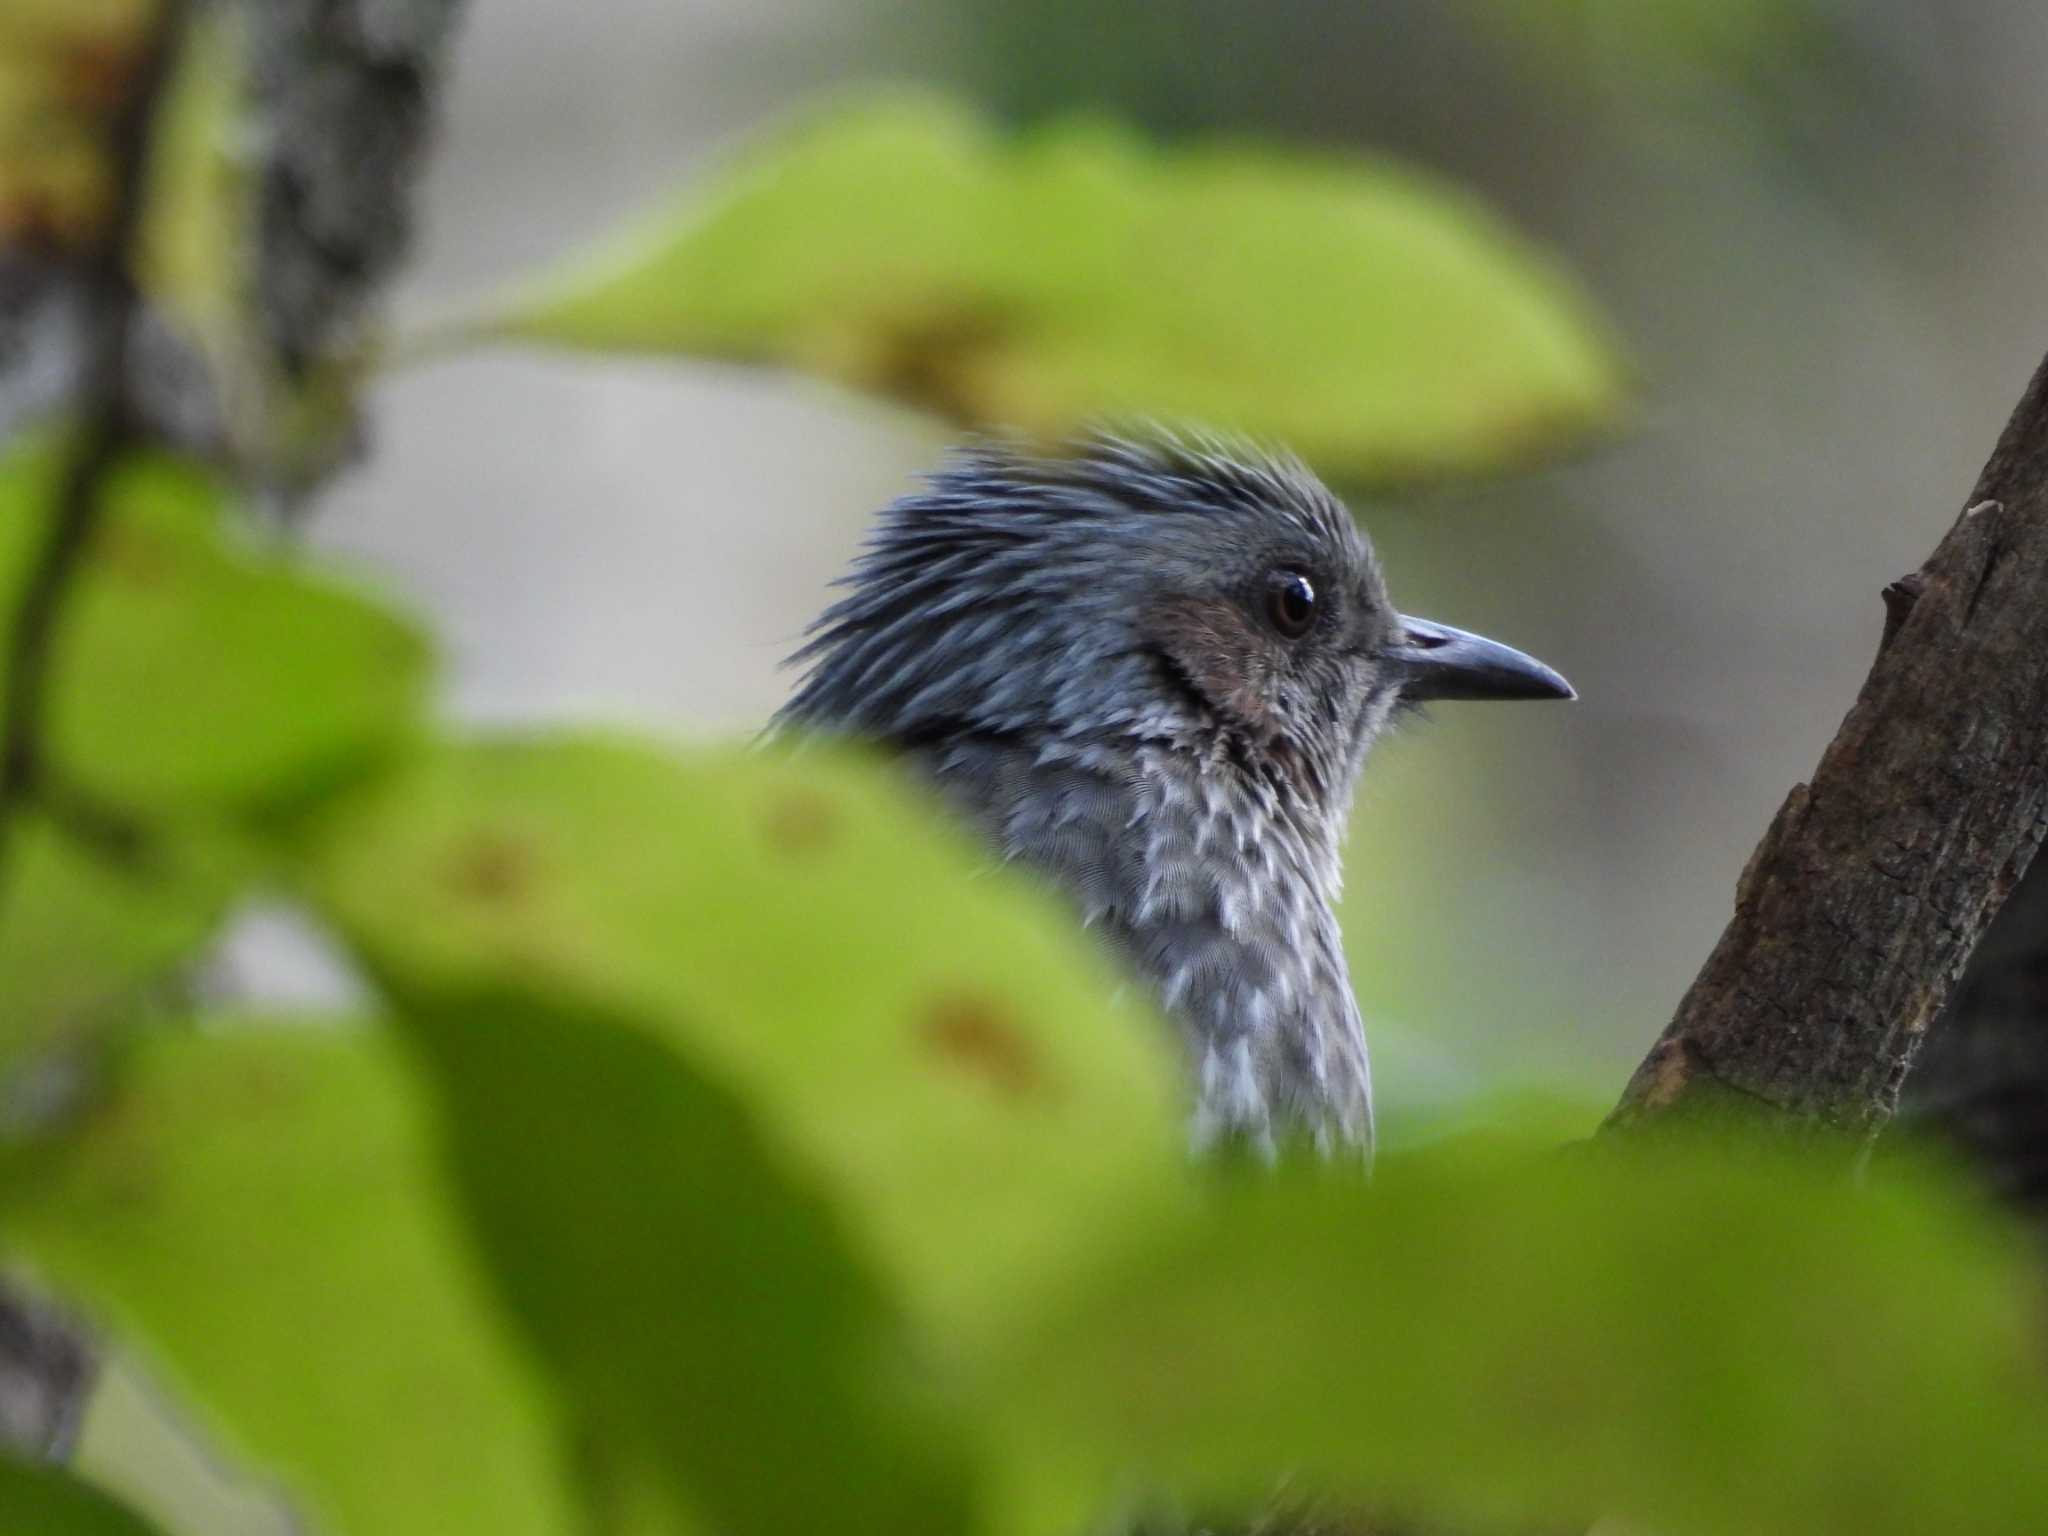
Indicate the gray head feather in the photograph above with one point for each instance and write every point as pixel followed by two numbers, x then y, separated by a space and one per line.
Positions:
pixel 1152 670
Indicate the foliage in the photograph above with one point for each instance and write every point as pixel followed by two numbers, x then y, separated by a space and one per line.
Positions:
pixel 81 935
pixel 1698 1341
pixel 1380 323
pixel 931 1043
pixel 1685 1339
pixel 734 1153
pixel 724 1146
pixel 205 678
pixel 260 1202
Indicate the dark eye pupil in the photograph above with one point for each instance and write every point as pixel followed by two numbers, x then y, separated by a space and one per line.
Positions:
pixel 1291 603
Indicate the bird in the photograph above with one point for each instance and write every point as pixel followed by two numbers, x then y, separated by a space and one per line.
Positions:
pixel 1150 665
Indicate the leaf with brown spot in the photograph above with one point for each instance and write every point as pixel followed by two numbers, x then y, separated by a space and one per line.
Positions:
pixel 970 1034
pixel 707 1314
pixel 800 823
pixel 492 868
pixel 1379 322
pixel 803 978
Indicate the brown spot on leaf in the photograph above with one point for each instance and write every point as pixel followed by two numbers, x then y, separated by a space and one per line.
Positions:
pixel 493 868
pixel 68 75
pixel 972 1034
pixel 95 73
pixel 936 356
pixel 801 822
pixel 130 554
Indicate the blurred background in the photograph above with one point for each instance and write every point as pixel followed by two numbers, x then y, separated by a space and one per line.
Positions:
pixel 1817 225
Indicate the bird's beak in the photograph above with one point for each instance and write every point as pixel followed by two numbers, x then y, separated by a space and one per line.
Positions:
pixel 1440 662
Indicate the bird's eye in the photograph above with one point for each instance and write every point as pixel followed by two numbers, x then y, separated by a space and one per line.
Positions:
pixel 1290 602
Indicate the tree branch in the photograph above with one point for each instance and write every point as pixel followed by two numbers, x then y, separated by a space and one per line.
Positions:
pixel 344 89
pixel 1863 902
pixel 101 419
pixel 46 1366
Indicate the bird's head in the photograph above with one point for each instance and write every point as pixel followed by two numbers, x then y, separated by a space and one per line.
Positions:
pixel 1188 591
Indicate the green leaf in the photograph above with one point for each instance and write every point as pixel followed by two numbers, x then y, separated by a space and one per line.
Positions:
pixel 931 1039
pixel 259 1212
pixel 1684 1343
pixel 193 675
pixel 701 1304
pixel 47 1502
pixel 79 932
pixel 1382 324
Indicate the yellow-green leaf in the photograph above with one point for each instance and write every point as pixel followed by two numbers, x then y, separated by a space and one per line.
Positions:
pixel 931 1038
pixel 1692 1342
pixel 193 674
pixel 733 1363
pixel 259 1213
pixel 80 931
pixel 1384 325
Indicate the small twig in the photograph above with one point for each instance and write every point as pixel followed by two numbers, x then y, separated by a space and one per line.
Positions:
pixel 48 1364
pixel 101 424
pixel 1875 882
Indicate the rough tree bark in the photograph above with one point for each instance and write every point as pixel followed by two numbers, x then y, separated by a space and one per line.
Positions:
pixel 343 99
pixel 1862 904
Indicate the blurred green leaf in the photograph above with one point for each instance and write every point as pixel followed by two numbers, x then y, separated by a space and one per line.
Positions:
pixel 1685 1343
pixel 259 1212
pixel 704 1309
pixel 930 1039
pixel 192 675
pixel 925 1041
pixel 78 932
pixel 1381 323
pixel 43 1501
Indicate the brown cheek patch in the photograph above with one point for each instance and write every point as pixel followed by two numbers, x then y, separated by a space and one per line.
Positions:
pixel 1223 651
